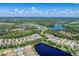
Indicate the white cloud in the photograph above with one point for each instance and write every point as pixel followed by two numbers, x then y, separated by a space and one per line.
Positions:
pixel 22 10
pixel 67 10
pixel 33 8
pixel 38 12
pixel 16 9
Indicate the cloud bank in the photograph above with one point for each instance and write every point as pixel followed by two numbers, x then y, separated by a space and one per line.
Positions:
pixel 38 12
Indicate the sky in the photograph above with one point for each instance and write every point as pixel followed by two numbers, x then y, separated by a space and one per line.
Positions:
pixel 39 10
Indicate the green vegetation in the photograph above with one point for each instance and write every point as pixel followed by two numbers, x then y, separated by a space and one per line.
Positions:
pixel 17 34
pixel 71 31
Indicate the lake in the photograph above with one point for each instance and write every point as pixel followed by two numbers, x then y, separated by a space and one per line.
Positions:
pixel 56 27
pixel 45 50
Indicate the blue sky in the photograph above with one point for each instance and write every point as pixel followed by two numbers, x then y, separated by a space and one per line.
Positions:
pixel 39 10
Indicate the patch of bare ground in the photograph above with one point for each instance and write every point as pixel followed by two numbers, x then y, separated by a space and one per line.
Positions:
pixel 9 52
pixel 29 51
pixel 20 51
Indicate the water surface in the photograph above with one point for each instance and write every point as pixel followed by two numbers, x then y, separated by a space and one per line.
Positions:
pixel 45 50
pixel 56 27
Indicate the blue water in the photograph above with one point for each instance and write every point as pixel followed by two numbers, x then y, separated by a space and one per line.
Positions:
pixel 45 50
pixel 56 27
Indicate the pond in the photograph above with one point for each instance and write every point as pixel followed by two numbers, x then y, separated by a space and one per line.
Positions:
pixel 45 50
pixel 56 27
